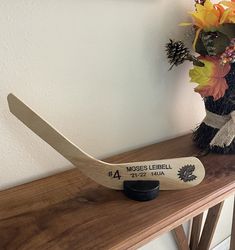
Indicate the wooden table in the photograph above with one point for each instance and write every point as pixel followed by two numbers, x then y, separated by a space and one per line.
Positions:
pixel 69 211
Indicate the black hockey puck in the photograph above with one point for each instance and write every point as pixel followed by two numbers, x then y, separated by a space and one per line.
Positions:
pixel 141 190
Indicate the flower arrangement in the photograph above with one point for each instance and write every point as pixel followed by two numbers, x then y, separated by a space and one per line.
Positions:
pixel 213 71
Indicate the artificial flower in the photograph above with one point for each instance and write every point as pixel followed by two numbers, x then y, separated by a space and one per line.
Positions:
pixel 229 14
pixel 206 16
pixel 230 4
pixel 209 17
pixel 228 56
pixel 211 77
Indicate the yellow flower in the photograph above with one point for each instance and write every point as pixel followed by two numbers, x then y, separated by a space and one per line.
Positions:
pixel 209 17
pixel 206 16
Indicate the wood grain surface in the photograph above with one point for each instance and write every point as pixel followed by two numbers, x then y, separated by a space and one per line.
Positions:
pixel 196 231
pixel 210 226
pixel 69 211
pixel 181 238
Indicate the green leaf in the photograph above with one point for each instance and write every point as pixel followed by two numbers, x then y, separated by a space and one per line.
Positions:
pixel 200 48
pixel 228 29
pixel 219 43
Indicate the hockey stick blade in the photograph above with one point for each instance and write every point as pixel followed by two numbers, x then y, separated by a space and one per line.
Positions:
pixel 177 173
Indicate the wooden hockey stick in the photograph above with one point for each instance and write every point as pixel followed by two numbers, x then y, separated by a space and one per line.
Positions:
pixel 176 173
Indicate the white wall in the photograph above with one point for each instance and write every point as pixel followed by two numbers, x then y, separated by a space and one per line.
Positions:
pixel 96 70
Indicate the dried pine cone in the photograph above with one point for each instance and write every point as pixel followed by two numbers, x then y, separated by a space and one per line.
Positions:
pixel 177 53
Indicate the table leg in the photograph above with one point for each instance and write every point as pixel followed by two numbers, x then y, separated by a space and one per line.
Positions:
pixel 181 238
pixel 196 230
pixel 232 245
pixel 210 226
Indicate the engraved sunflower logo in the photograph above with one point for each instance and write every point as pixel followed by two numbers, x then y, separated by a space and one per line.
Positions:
pixel 186 173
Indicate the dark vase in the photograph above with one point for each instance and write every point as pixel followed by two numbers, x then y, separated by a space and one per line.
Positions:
pixel 204 134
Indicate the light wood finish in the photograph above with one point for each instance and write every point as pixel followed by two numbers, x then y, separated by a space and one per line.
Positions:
pixel 181 238
pixel 210 226
pixel 196 231
pixel 167 171
pixel 232 245
pixel 69 211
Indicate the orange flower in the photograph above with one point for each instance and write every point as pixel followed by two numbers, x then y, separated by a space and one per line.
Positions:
pixel 229 4
pixel 229 13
